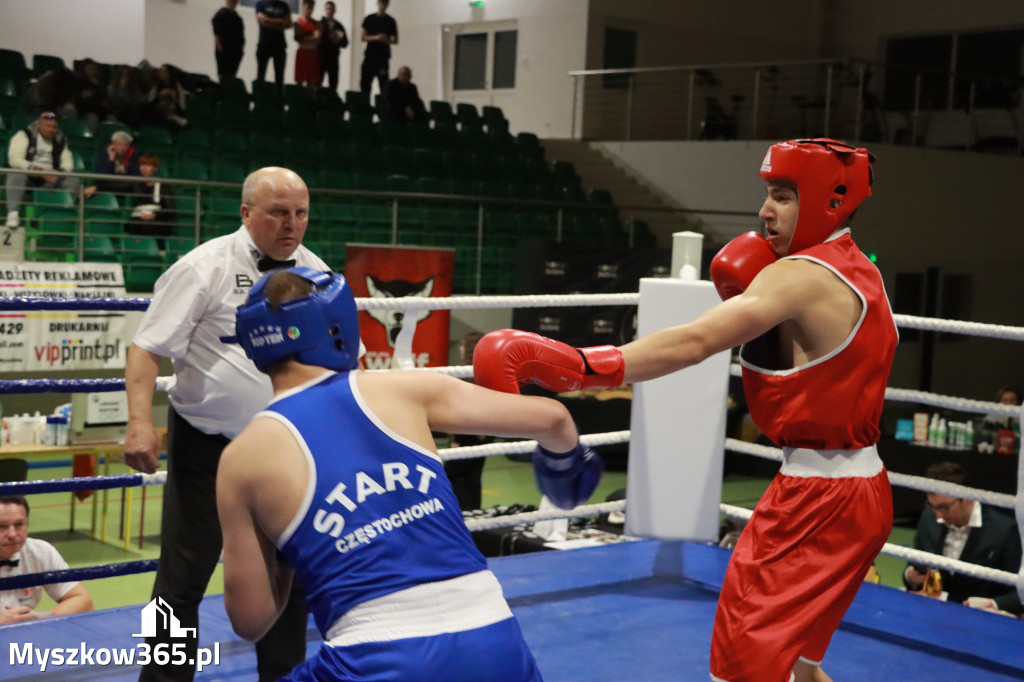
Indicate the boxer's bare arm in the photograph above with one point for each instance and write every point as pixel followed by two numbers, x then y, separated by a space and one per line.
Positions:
pixel 819 306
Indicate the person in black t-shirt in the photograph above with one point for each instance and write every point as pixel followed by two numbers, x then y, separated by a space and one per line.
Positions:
pixel 229 39
pixel 333 39
pixel 274 18
pixel 380 32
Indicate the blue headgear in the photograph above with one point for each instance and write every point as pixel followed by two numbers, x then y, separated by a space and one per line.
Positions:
pixel 321 328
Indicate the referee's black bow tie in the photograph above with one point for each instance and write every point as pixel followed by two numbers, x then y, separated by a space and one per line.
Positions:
pixel 9 562
pixel 267 263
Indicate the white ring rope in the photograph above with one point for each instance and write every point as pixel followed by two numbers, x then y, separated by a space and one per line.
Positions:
pixel 991 331
pixel 913 555
pixel 523 446
pixel 906 395
pixel 472 302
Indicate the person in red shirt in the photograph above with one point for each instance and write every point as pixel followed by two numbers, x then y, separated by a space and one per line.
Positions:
pixel 818 341
pixel 307 57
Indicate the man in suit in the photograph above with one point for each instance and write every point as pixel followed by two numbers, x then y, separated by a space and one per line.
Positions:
pixel 969 531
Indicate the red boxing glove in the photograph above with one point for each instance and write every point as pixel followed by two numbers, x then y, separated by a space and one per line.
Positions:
pixel 737 264
pixel 506 359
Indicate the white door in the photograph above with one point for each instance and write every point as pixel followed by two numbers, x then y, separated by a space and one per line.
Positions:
pixel 479 62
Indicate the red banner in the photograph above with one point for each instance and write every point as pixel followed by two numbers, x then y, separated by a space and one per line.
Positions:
pixel 395 272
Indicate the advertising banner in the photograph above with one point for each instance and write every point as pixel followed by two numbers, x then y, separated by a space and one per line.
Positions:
pixel 56 340
pixel 374 271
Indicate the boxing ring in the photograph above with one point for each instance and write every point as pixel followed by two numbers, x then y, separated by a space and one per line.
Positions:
pixel 638 610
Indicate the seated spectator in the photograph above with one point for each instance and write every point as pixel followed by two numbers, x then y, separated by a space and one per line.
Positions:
pixel 969 531
pixel 167 98
pixel 125 96
pixel 401 100
pixel 56 91
pixel 117 158
pixel 21 555
pixel 40 146
pixel 152 203
pixel 92 93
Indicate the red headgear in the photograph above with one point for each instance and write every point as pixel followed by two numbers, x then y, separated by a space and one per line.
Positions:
pixel 823 170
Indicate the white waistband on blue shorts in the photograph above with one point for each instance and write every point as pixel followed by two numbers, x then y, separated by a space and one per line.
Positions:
pixel 803 462
pixel 470 601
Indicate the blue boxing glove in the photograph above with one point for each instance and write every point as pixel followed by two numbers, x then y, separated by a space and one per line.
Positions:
pixel 568 479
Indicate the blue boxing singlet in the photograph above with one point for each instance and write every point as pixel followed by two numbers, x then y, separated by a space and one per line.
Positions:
pixel 391 574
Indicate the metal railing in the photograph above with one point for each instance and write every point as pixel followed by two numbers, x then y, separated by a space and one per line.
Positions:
pixel 848 99
pixel 205 209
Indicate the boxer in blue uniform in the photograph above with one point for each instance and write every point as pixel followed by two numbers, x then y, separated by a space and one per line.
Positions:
pixel 338 484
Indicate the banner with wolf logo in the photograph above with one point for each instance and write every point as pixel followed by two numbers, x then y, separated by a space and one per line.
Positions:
pixel 394 272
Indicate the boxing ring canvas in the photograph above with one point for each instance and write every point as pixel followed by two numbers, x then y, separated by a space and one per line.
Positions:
pixel 633 611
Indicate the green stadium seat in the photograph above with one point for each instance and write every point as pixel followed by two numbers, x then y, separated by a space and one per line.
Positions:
pixel 192 168
pixel 156 140
pixel 232 114
pixel 13 65
pixel 41 63
pixel 441 112
pixel 195 143
pixel 99 249
pixel 264 92
pixel 224 170
pixel 178 247
pixel 233 88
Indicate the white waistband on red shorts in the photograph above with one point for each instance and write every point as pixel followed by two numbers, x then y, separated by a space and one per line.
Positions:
pixel 470 601
pixel 803 462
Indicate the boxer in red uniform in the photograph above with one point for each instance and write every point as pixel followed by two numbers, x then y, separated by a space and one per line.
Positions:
pixel 818 341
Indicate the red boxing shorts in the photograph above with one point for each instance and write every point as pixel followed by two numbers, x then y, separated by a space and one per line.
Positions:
pixel 794 572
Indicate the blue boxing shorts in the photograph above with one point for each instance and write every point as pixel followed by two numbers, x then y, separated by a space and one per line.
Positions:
pixel 494 653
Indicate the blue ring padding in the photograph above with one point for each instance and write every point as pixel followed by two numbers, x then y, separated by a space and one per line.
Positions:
pixel 74 575
pixel 42 303
pixel 61 386
pixel 63 485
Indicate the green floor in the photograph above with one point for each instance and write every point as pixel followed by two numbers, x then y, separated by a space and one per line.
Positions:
pixel 505 482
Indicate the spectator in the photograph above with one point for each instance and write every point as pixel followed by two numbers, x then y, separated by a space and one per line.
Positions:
pixel 125 96
pixel 401 100
pixel 274 18
pixel 215 394
pixel 1008 396
pixel 117 158
pixel 92 93
pixel 40 146
pixel 228 39
pixel 466 475
pixel 167 98
pixel 21 555
pixel 56 91
pixel 333 39
pixel 307 56
pixel 380 32
pixel 967 530
pixel 152 203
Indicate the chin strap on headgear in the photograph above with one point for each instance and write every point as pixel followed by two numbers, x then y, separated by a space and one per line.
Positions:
pixel 825 172
pixel 320 328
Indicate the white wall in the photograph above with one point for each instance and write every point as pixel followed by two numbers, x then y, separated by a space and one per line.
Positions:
pixel 552 40
pixel 109 31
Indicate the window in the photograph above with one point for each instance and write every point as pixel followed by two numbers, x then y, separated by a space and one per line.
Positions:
pixel 504 73
pixel 470 61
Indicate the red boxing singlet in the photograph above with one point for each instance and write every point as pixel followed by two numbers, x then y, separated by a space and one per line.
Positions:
pixel 834 402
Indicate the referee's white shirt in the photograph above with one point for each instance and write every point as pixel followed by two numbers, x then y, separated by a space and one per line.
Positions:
pixel 36 556
pixel 217 389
